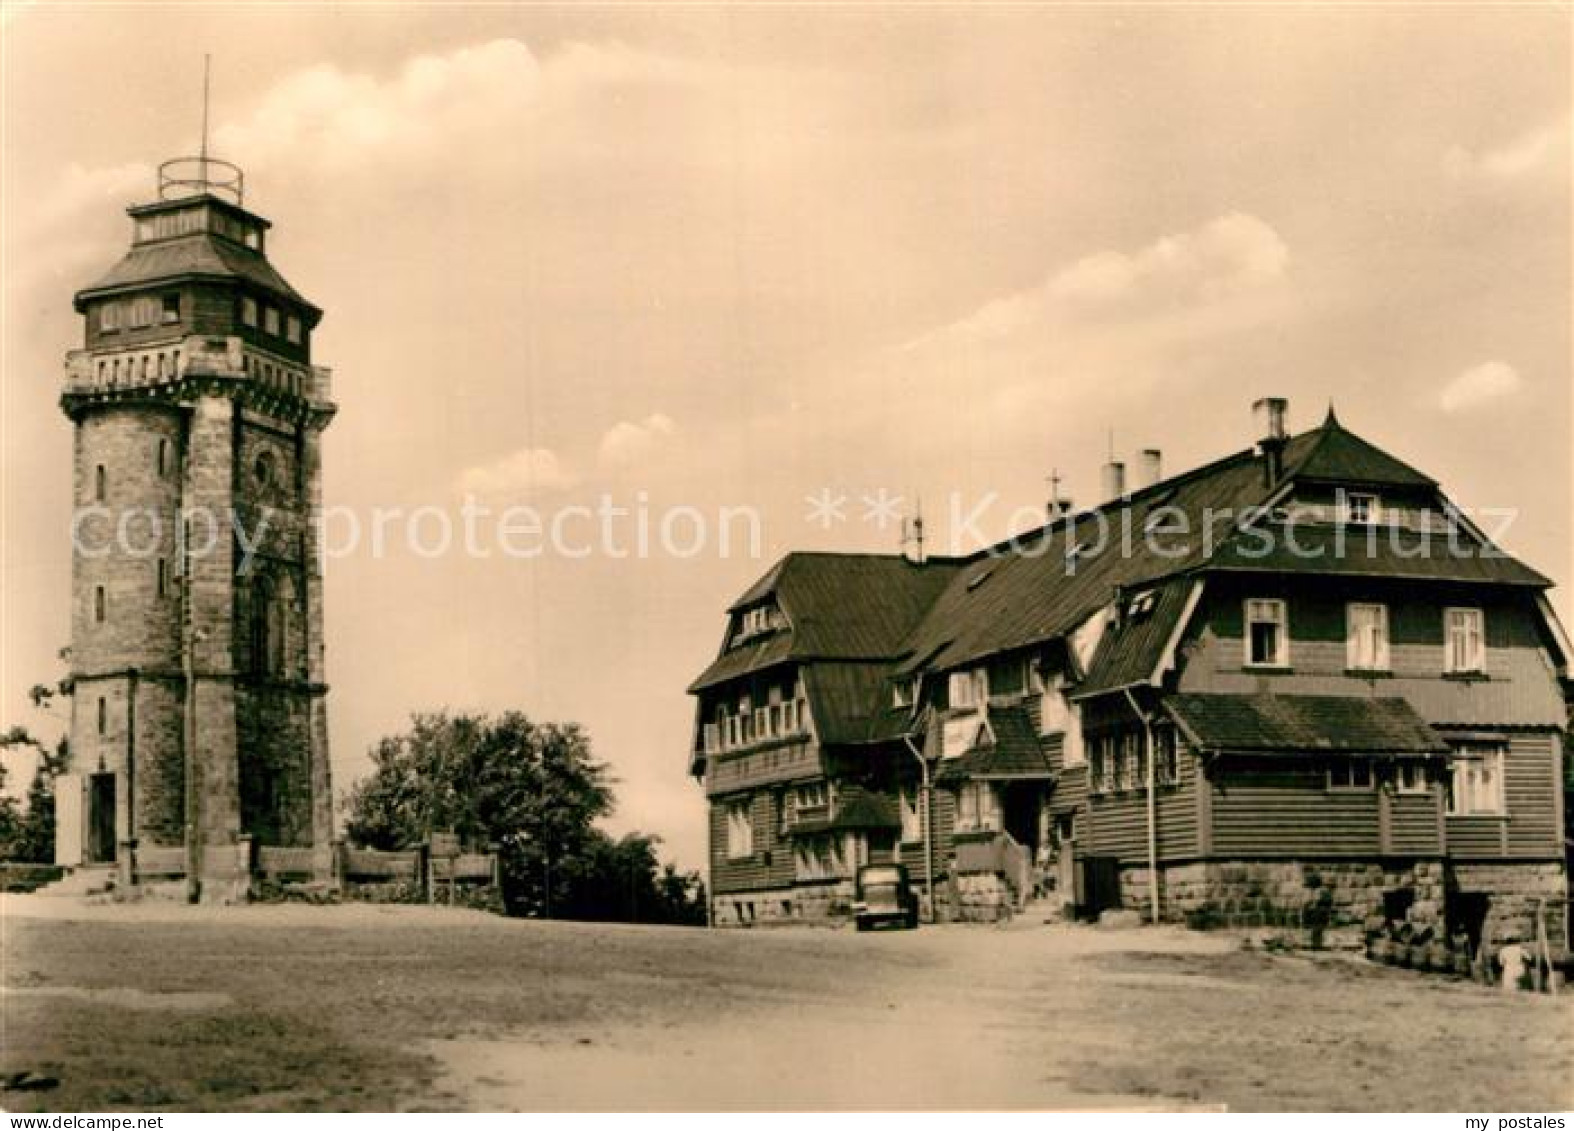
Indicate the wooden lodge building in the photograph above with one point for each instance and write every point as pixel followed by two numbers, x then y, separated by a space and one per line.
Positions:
pixel 1347 689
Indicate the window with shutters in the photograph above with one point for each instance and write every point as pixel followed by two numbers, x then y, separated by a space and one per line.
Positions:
pixel 1464 641
pixel 1475 782
pixel 740 831
pixel 1366 643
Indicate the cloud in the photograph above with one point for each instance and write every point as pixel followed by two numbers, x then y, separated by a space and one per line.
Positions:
pixel 1232 255
pixel 1479 385
pixel 625 444
pixel 528 471
pixel 1541 152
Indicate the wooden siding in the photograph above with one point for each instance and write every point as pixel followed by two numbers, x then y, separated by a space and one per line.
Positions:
pixel 1413 827
pixel 1071 791
pixel 770 865
pixel 1266 809
pixel 1531 783
pixel 779 761
pixel 1117 824
pixel 1519 687
pixel 912 852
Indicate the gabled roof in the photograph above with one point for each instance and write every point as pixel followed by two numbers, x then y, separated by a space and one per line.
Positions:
pixel 1377 551
pixel 1332 454
pixel 1010 750
pixel 838 607
pixel 200 254
pixel 1301 724
pixel 1007 598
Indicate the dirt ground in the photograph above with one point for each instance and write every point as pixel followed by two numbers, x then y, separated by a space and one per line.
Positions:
pixel 335 1008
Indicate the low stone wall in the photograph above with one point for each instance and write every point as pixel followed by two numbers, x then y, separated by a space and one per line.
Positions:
pixel 1266 893
pixel 830 901
pixel 981 897
pixel 1514 892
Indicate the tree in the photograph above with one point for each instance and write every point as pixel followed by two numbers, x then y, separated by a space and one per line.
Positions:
pixel 27 833
pixel 531 792
pixel 528 791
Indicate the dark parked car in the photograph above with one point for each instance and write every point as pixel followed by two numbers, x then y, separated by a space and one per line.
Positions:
pixel 883 895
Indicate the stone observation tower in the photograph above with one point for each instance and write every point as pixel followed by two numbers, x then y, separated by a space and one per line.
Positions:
pixel 199 721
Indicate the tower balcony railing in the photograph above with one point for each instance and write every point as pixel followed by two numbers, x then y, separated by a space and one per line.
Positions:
pixel 160 363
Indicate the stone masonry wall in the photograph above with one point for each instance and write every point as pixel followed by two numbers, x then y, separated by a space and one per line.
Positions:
pixel 1271 893
pixel 1513 891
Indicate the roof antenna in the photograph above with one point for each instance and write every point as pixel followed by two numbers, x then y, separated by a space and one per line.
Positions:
pixel 202 154
pixel 913 532
pixel 202 175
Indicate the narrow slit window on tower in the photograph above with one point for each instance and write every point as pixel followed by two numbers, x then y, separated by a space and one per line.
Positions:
pixel 100 484
pixel 163 458
pixel 163 577
pixel 100 604
pixel 103 715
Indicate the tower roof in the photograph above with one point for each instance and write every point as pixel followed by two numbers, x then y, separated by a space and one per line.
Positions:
pixel 199 254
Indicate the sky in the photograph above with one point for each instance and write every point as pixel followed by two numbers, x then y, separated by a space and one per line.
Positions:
pixel 706 261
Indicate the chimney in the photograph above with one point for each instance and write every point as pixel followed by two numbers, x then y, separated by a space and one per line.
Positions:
pixel 1114 481
pixel 913 537
pixel 1152 467
pixel 1269 413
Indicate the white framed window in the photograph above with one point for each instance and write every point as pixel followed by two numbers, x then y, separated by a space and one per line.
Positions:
pixel 1133 761
pixel 712 738
pixel 1464 640
pixel 1267 633
pixel 248 311
pixel 109 317
pixel 1355 773
pixel 292 330
pixel 270 320
pixel 1410 777
pixel 811 796
pixel 740 831
pixel 734 730
pixel 902 693
pixel 143 311
pixel 977 807
pixel 967 690
pixel 819 857
pixel 1475 783
pixel 912 818
pixel 1362 509
pixel 1105 751
pixel 1366 637
pixel 1166 754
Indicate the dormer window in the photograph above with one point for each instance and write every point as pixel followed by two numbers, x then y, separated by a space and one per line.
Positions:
pixel 966 690
pixel 109 317
pixel 143 311
pixel 1362 509
pixel 292 330
pixel 270 320
pixel 171 307
pixel 248 312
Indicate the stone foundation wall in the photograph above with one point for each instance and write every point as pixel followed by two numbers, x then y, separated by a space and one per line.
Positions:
pixel 981 897
pixel 1277 892
pixel 1513 891
pixel 1274 893
pixel 828 902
